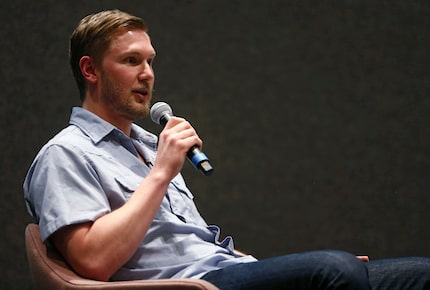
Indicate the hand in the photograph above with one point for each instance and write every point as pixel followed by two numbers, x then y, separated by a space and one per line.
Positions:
pixel 363 258
pixel 175 140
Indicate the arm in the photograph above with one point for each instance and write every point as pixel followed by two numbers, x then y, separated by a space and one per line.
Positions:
pixel 98 249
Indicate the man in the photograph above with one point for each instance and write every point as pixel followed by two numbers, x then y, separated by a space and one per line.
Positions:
pixel 109 196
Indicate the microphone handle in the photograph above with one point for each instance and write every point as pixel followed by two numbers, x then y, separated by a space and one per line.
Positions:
pixel 200 160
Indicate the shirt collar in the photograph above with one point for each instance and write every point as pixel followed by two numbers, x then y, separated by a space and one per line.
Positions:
pixel 97 128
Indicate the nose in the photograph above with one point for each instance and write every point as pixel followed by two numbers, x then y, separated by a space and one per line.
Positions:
pixel 147 72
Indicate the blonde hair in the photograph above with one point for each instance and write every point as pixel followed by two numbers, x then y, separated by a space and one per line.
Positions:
pixel 93 35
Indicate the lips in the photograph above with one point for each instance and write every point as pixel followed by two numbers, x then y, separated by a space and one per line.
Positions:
pixel 142 93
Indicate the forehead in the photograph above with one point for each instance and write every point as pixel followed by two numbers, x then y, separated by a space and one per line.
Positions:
pixel 131 40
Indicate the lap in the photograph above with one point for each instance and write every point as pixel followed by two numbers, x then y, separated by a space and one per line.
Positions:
pixel 325 270
pixel 309 270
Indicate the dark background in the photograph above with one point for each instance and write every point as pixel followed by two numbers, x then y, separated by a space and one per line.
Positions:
pixel 315 115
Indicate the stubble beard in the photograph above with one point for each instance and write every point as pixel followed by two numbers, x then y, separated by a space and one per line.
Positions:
pixel 129 107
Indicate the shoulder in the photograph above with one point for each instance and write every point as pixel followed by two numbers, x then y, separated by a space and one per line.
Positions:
pixel 66 148
pixel 70 138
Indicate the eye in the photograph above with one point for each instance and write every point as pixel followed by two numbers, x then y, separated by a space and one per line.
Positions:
pixel 131 60
pixel 150 61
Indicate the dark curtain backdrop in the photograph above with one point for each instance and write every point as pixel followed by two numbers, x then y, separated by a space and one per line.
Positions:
pixel 315 115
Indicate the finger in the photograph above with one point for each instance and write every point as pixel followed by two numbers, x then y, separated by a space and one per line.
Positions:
pixel 181 129
pixel 174 121
pixel 363 258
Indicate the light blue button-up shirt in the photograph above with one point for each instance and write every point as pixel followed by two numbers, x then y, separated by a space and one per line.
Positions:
pixel 91 168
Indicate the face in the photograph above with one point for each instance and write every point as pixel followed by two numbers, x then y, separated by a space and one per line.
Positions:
pixel 126 75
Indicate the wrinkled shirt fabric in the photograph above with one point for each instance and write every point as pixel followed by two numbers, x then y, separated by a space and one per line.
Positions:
pixel 91 168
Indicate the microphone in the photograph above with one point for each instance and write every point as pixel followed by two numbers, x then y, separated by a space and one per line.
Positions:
pixel 161 114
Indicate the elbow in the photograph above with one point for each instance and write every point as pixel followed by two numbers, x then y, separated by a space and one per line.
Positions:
pixel 94 270
pixel 96 275
pixel 87 259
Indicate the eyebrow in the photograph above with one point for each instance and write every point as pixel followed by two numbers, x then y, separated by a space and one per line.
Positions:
pixel 138 52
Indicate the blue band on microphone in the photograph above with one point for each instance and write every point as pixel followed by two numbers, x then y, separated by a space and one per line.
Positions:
pixel 198 158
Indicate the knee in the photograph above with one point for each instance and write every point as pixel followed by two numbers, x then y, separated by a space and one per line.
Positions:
pixel 342 270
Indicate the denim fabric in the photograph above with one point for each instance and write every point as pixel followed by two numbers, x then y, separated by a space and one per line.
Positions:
pixel 310 270
pixel 407 273
pixel 325 270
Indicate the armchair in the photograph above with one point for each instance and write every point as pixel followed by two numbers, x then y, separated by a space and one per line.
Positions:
pixel 50 271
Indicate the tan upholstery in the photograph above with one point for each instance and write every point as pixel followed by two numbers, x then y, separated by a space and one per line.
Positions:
pixel 49 271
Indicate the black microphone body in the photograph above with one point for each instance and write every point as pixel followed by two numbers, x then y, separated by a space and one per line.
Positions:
pixel 161 114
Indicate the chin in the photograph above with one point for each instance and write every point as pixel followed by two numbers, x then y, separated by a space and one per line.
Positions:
pixel 136 111
pixel 141 113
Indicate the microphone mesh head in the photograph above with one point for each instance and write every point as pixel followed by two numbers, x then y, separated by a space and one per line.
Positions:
pixel 158 110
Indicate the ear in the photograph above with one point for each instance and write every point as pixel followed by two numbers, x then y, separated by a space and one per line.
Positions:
pixel 88 68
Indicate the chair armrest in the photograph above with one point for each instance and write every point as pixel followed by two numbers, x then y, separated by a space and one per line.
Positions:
pixel 50 271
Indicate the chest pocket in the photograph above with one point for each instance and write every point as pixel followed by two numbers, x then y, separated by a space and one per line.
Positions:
pixel 181 201
pixel 128 184
pixel 177 201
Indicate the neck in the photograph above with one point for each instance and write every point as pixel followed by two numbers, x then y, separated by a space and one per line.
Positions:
pixel 120 122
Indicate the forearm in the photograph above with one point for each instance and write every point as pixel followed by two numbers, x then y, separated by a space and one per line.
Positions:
pixel 97 250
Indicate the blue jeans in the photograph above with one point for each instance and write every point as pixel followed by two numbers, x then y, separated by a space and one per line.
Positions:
pixel 400 273
pixel 324 270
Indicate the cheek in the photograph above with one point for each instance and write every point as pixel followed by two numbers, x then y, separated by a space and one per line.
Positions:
pixel 124 78
pixel 123 74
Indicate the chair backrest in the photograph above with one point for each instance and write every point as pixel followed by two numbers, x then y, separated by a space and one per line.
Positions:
pixel 49 271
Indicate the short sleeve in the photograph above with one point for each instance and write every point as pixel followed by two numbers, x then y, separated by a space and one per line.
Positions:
pixel 62 188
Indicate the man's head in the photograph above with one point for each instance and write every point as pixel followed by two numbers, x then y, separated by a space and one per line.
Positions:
pixel 93 36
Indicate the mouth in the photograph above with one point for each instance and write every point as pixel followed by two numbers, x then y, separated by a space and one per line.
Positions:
pixel 143 93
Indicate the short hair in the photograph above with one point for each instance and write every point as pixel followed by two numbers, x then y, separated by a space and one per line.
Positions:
pixel 93 36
